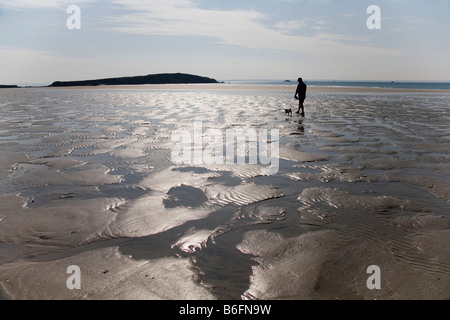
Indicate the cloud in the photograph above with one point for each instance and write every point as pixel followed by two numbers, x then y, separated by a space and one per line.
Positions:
pixel 287 26
pixel 40 4
pixel 244 28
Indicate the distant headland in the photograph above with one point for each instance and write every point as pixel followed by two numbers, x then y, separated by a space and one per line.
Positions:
pixel 4 86
pixel 163 78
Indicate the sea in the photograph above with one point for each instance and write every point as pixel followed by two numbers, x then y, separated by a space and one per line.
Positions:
pixel 119 193
pixel 414 85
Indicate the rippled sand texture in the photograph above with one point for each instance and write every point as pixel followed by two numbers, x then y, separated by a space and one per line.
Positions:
pixel 86 179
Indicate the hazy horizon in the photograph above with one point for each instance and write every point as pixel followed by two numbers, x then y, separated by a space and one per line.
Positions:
pixel 293 81
pixel 47 40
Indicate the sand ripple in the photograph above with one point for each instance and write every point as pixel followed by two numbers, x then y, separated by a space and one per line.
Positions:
pixel 86 178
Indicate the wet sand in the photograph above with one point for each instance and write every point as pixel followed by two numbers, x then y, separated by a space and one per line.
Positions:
pixel 86 179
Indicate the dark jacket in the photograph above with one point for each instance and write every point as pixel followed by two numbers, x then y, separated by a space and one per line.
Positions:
pixel 301 91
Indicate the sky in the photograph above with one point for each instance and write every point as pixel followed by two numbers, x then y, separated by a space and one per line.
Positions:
pixel 40 42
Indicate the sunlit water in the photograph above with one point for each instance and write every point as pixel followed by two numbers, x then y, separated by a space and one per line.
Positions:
pixel 87 179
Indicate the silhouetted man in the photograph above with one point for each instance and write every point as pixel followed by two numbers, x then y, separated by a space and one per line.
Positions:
pixel 300 95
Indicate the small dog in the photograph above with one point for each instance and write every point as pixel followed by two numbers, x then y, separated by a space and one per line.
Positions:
pixel 288 112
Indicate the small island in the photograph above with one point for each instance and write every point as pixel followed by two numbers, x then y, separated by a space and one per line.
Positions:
pixel 4 86
pixel 163 78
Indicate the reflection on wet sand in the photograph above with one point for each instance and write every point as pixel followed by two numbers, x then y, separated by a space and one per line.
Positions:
pixel 86 179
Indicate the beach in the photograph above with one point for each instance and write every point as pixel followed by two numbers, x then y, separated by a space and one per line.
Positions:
pixel 87 179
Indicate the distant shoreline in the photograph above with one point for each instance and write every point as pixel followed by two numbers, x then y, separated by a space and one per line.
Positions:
pixel 160 78
pixel 228 86
pixel 7 86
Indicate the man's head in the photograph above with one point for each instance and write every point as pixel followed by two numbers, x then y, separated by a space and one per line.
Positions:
pixel 300 80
